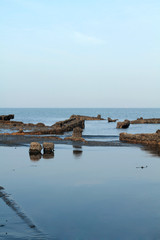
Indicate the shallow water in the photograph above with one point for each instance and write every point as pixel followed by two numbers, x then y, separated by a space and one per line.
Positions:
pixel 81 193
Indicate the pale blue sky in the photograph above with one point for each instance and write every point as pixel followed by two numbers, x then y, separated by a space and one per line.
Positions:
pixel 88 53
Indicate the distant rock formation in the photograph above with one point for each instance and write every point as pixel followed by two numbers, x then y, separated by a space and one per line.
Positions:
pixel 112 120
pixel 145 139
pixel 6 117
pixel 124 124
pixel 149 121
pixel 68 125
pixel 80 117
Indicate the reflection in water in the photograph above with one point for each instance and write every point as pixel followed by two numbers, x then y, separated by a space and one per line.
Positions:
pixel 35 157
pixel 48 155
pixel 13 205
pixel 153 150
pixel 77 152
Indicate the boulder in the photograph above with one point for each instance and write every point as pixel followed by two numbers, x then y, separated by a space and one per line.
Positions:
pixel 6 117
pixel 35 148
pixel 77 132
pixel 158 131
pixel 76 135
pixel 124 124
pixel 48 147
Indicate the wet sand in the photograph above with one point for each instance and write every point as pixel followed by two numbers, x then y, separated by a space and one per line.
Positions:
pixel 80 192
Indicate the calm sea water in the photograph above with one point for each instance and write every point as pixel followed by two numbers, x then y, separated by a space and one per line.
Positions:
pixel 92 193
pixel 94 130
pixel 87 193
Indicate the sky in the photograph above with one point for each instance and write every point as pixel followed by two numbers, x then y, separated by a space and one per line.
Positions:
pixel 88 53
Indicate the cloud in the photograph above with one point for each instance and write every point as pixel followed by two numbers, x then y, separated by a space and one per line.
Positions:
pixel 85 39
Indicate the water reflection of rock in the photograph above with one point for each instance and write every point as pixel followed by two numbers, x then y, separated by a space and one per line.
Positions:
pixel 153 150
pixel 48 155
pixel 77 151
pixel 35 157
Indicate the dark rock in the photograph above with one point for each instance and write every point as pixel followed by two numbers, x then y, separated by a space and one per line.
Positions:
pixel 124 124
pixel 158 131
pixel 6 117
pixel 112 120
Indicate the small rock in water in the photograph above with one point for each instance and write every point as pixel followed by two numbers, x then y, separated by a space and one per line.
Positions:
pixel 48 147
pixel 35 148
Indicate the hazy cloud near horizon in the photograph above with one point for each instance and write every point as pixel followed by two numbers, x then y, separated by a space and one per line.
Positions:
pixel 79 54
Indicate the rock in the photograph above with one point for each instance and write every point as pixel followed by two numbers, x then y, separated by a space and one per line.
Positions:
pixel 67 125
pixel 48 147
pixel 20 130
pixel 6 117
pixel 99 116
pixel 148 121
pixel 76 136
pixel 80 117
pixel 35 148
pixel 77 132
pixel 145 139
pixel 112 120
pixel 158 131
pixel 124 124
pixel 40 125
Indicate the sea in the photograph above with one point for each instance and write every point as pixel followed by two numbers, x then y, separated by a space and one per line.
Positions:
pixel 81 192
pixel 94 130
